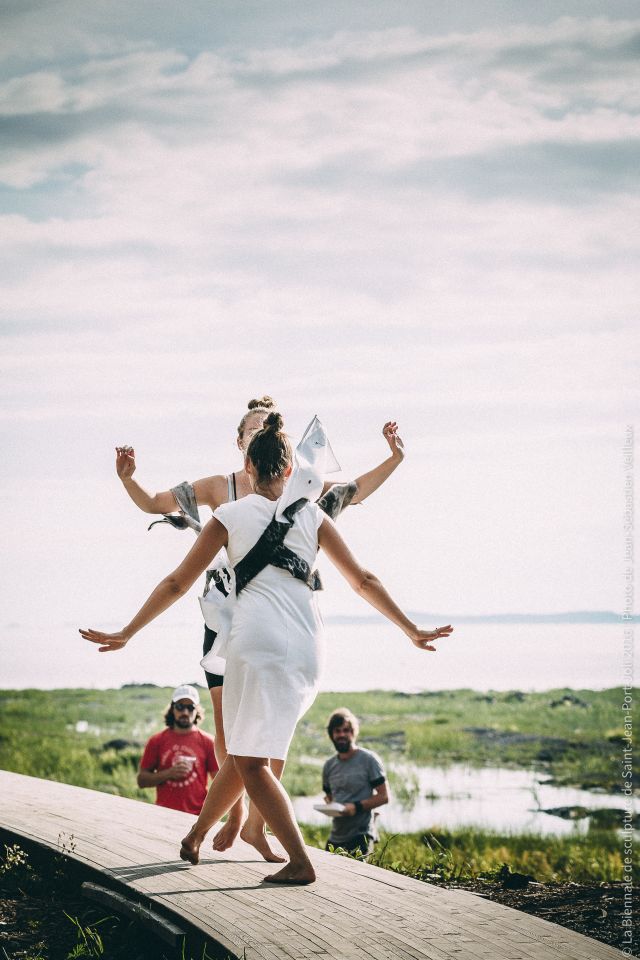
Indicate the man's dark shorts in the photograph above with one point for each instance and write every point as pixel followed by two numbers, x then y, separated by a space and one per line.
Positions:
pixel 213 679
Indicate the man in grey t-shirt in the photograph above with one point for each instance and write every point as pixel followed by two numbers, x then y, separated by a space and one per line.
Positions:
pixel 354 777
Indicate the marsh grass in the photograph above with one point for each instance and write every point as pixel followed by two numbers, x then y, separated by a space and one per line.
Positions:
pixel 572 736
pixel 39 736
pixel 468 854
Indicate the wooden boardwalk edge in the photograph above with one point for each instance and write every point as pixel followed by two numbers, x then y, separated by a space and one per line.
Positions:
pixel 117 894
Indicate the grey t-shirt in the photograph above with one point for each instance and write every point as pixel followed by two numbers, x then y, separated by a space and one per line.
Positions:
pixel 347 781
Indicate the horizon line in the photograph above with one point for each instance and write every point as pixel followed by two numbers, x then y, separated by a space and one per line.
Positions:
pixel 569 616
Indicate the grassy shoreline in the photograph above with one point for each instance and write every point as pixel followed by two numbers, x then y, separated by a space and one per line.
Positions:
pixel 574 737
pixel 94 738
pixel 454 856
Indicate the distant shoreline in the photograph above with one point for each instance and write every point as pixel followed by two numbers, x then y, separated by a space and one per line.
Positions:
pixel 571 616
pixel 572 650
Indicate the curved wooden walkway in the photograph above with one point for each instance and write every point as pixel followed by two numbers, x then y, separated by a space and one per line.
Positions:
pixel 353 912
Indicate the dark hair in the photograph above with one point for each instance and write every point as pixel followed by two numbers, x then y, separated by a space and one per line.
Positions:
pixel 255 406
pixel 339 717
pixel 270 450
pixel 170 719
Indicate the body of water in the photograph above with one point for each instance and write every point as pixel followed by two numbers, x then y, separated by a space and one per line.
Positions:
pixel 493 798
pixel 360 656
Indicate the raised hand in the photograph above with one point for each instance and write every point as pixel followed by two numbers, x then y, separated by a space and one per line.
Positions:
pixel 125 462
pixel 424 639
pixel 390 433
pixel 107 641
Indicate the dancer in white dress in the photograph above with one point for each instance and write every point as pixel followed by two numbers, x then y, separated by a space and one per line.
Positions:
pixel 273 652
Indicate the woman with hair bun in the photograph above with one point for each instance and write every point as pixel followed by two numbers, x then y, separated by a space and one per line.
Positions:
pixel 212 492
pixel 274 649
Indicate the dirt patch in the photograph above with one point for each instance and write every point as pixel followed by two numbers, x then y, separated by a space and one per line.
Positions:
pixel 36 928
pixel 394 740
pixel 595 911
pixel 43 915
pixel 507 738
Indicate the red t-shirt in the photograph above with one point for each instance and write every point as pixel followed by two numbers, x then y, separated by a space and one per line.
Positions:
pixel 162 752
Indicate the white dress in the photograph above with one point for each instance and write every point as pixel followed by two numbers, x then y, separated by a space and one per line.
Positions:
pixel 275 650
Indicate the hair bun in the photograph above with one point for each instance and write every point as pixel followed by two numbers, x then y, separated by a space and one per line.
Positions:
pixel 266 403
pixel 274 422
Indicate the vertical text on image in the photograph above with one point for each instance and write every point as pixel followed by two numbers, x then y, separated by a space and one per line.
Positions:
pixel 627 618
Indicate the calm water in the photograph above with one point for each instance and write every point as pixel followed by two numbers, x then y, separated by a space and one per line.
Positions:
pixel 359 657
pixel 493 798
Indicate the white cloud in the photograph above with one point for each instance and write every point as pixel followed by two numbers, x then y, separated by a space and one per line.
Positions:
pixel 296 109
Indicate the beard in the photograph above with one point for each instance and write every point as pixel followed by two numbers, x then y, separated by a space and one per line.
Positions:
pixel 342 745
pixel 184 722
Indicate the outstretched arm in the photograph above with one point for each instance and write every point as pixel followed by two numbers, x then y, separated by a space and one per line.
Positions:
pixel 148 502
pixel 210 491
pixel 368 586
pixel 210 541
pixel 369 482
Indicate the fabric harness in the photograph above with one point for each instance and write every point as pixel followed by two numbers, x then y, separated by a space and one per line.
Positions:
pixel 271 550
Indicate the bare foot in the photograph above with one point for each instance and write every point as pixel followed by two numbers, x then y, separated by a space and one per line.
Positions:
pixel 226 835
pixel 190 848
pixel 258 839
pixel 293 875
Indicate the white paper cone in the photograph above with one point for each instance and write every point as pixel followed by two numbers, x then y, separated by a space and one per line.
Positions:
pixel 313 459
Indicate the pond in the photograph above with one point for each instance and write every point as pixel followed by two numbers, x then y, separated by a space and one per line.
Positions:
pixel 491 798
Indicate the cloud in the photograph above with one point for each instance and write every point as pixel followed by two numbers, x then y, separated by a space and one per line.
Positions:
pixel 561 383
pixel 34 31
pixel 475 83
pixel 430 189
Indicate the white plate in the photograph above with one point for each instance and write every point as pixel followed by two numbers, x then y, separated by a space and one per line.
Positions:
pixel 329 809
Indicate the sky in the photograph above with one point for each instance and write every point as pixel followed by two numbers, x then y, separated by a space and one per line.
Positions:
pixel 402 210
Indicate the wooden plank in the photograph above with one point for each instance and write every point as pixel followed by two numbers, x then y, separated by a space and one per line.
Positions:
pixel 353 912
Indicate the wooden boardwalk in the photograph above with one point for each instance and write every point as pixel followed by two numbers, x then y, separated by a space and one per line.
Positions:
pixel 353 912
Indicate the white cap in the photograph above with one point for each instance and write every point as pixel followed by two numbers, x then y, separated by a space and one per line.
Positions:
pixel 186 692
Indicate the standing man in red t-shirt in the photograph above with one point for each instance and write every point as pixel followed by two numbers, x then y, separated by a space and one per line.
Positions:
pixel 178 761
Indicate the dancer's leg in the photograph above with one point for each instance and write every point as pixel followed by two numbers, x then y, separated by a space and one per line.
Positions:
pixel 224 791
pixel 253 831
pixel 254 834
pixel 268 794
pixel 229 830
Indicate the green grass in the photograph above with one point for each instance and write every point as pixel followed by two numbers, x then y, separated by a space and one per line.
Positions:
pixel 571 743
pixel 471 854
pixel 39 738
